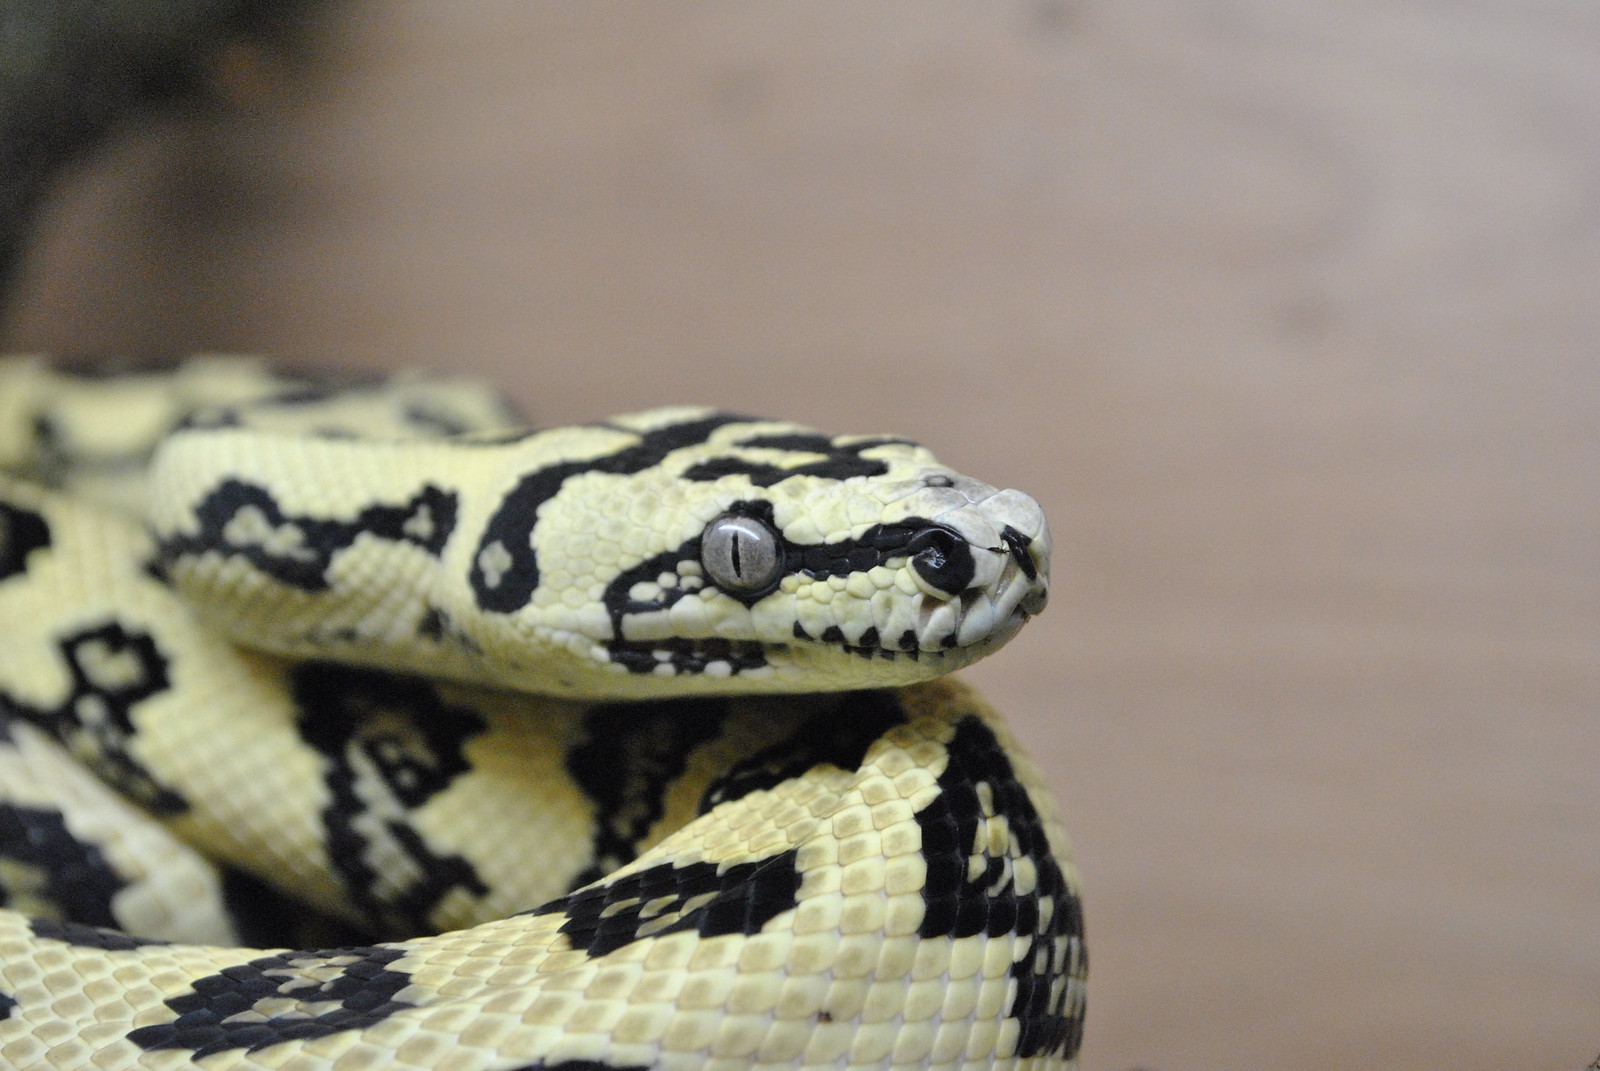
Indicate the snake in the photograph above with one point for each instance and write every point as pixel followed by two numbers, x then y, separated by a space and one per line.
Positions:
pixel 352 724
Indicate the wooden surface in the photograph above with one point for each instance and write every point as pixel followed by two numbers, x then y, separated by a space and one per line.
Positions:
pixel 1286 312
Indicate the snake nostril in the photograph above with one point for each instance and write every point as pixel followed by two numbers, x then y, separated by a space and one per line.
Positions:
pixel 943 559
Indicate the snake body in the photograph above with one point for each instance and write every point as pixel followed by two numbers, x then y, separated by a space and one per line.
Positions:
pixel 623 745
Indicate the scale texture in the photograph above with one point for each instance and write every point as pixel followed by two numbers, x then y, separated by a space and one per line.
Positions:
pixel 746 822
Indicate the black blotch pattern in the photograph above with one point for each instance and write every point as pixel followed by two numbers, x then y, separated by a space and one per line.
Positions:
pixel 102 938
pixel 943 558
pixel 264 917
pixel 688 656
pixel 957 906
pixel 112 670
pixel 737 898
pixel 874 547
pixel 634 751
pixel 840 461
pixel 77 878
pixel 438 626
pixel 425 520
pixel 22 532
pixel 392 736
pixel 1017 545
pixel 618 596
pixel 511 527
pixel 7 1003
pixel 838 736
pixel 818 561
pixel 217 1014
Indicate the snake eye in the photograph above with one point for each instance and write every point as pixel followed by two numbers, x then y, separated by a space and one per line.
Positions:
pixel 942 560
pixel 741 555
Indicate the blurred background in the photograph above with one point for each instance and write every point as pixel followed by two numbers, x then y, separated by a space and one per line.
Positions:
pixel 1287 313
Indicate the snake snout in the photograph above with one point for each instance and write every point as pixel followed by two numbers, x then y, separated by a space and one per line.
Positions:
pixel 1026 538
pixel 984 568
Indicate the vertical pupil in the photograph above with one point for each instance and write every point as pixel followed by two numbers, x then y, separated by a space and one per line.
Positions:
pixel 734 553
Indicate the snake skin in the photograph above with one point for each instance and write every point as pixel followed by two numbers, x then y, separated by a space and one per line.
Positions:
pixel 274 792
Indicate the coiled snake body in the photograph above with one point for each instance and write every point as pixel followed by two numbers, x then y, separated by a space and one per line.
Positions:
pixel 600 747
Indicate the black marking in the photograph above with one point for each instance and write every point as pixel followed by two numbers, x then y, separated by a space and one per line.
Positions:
pixel 876 546
pixel 838 736
pixel 634 751
pixel 7 1004
pixel 75 882
pixel 299 551
pixel 687 656
pixel 438 626
pixel 82 936
pixel 704 898
pixel 1017 545
pixel 840 461
pixel 818 561
pixel 392 744
pixel 506 580
pixel 978 788
pixel 22 532
pixel 435 624
pixel 112 671
pixel 618 596
pixel 219 1013
pixel 264 917
pixel 943 558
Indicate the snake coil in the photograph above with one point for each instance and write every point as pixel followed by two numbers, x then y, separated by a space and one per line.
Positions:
pixel 356 726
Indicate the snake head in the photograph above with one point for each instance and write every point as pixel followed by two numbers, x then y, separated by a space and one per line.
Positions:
pixel 768 557
pixel 671 552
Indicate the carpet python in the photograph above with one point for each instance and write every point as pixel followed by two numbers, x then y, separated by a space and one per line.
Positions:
pixel 359 727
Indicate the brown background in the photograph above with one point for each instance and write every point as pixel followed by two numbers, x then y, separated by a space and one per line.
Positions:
pixel 1287 312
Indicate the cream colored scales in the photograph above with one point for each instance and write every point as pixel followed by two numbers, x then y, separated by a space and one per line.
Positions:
pixel 605 676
